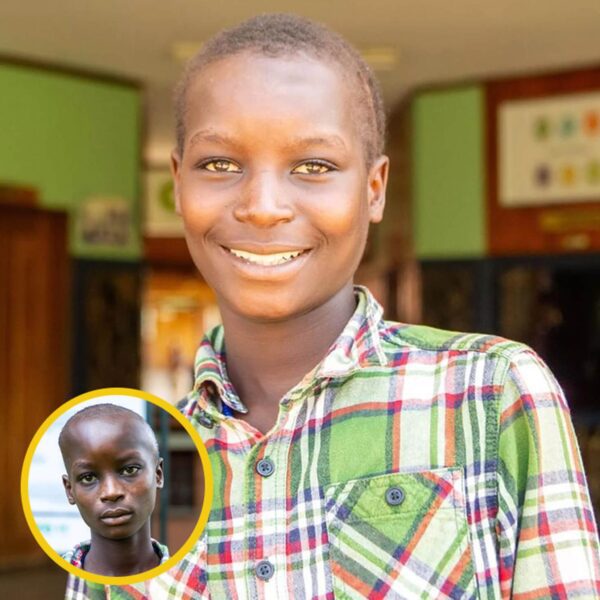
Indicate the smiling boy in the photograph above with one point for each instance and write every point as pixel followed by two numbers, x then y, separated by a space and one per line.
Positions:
pixel 113 474
pixel 352 457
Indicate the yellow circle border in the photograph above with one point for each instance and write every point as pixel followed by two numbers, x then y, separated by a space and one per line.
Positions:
pixel 206 503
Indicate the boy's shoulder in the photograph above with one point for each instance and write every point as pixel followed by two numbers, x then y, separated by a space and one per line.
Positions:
pixel 400 336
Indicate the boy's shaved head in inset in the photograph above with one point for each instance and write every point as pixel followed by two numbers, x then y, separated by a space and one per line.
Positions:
pixel 278 35
pixel 109 412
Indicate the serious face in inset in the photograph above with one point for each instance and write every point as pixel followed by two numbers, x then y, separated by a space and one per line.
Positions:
pixel 273 184
pixel 113 472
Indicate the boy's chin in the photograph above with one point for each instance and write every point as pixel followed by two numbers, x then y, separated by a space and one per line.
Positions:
pixel 270 307
pixel 119 533
pixel 116 535
pixel 278 304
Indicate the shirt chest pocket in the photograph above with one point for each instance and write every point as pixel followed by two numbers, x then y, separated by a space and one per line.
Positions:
pixel 400 535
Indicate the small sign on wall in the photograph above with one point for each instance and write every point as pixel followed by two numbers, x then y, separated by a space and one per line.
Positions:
pixel 549 150
pixel 104 222
pixel 160 216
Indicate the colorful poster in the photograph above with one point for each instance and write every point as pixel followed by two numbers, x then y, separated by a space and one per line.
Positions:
pixel 549 150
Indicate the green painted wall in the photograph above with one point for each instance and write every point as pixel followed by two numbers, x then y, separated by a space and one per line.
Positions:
pixel 448 173
pixel 71 138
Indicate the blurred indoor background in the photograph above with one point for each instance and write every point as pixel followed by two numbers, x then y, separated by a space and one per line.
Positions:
pixel 492 221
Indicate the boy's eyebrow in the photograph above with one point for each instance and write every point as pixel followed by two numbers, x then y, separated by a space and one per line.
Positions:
pixel 300 142
pixel 333 141
pixel 82 464
pixel 208 135
pixel 125 456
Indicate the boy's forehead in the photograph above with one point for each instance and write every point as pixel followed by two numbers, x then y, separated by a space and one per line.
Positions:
pixel 117 432
pixel 237 88
pixel 253 67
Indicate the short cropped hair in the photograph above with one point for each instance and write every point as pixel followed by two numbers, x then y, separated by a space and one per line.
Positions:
pixel 105 411
pixel 281 34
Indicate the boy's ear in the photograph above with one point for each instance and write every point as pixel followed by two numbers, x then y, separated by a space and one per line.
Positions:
pixel 175 172
pixel 68 489
pixel 376 185
pixel 160 476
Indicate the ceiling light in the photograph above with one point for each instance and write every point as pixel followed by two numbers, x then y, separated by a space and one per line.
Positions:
pixel 380 58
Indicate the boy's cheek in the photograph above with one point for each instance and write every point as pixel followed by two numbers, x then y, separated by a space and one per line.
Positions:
pixel 195 211
pixel 340 223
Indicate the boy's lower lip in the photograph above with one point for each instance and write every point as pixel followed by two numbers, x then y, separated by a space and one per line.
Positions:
pixel 119 520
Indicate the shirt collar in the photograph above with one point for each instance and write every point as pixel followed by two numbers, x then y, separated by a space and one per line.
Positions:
pixel 357 347
pixel 77 556
pixel 359 344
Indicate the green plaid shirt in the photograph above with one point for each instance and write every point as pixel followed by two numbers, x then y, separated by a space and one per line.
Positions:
pixel 410 463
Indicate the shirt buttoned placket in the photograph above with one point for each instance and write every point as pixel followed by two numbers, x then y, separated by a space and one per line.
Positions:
pixel 266 476
pixel 214 422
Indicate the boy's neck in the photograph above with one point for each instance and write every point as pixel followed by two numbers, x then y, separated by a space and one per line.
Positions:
pixel 118 558
pixel 266 360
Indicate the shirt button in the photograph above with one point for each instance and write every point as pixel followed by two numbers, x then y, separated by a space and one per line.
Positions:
pixel 394 496
pixel 264 570
pixel 205 420
pixel 265 467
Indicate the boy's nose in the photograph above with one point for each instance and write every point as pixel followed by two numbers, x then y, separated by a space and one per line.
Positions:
pixel 262 201
pixel 111 490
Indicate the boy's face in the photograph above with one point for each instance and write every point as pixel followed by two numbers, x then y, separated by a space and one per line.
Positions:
pixel 272 186
pixel 113 474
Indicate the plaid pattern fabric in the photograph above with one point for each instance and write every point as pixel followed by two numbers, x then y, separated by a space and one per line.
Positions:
pixel 410 463
pixel 80 589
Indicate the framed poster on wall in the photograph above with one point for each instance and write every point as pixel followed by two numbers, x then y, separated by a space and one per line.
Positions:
pixel 549 150
pixel 543 164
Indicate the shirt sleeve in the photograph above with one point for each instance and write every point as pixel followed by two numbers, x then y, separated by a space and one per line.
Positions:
pixel 548 541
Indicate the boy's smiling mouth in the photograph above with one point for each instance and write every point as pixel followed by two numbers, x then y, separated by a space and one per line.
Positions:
pixel 267 260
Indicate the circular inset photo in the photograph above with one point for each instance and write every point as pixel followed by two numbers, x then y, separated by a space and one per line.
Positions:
pixel 116 486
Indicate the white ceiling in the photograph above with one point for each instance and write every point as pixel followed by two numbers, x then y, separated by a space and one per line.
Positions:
pixel 435 40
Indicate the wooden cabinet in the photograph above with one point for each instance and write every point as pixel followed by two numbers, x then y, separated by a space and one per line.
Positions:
pixel 34 333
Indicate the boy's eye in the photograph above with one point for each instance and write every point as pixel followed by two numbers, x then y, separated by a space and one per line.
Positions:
pixel 220 165
pixel 130 470
pixel 313 167
pixel 87 478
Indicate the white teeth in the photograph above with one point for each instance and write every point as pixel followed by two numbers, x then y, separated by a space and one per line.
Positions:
pixel 265 259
